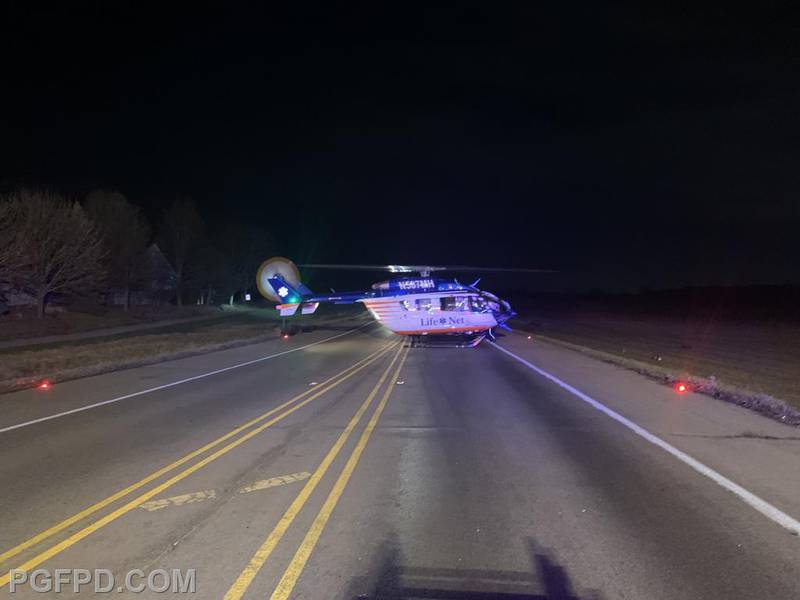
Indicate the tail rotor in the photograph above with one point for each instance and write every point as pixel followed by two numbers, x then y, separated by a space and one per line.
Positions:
pixel 277 266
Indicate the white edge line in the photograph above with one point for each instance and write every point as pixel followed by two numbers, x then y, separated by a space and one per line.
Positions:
pixel 762 506
pixel 174 383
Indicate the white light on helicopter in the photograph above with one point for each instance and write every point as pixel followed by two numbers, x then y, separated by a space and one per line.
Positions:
pixel 247 297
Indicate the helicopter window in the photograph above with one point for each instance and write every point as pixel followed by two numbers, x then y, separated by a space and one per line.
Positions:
pixel 455 303
pixel 424 304
pixel 418 304
pixel 478 304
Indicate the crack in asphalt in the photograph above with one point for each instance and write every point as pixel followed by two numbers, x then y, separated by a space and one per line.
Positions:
pixel 738 436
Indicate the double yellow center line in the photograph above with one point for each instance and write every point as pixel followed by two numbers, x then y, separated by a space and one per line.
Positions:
pixel 296 566
pixel 263 421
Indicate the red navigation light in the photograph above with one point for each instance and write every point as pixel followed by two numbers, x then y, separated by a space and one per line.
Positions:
pixel 286 336
pixel 681 388
pixel 45 385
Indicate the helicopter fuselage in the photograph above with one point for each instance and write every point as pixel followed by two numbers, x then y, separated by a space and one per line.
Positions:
pixel 413 306
pixel 433 313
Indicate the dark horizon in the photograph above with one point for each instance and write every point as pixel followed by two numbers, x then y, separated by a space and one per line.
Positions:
pixel 626 148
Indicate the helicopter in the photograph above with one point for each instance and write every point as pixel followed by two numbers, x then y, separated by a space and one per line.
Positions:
pixel 430 310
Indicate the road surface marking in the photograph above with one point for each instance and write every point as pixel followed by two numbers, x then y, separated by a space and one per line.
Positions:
pixel 89 529
pixel 319 391
pixel 261 555
pixel 192 497
pixel 174 383
pixel 154 505
pixel 295 568
pixel 164 470
pixel 762 506
pixel 275 481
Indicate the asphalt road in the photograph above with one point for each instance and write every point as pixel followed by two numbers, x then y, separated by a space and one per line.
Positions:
pixel 342 464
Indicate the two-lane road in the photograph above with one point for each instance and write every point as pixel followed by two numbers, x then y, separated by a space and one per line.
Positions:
pixel 343 464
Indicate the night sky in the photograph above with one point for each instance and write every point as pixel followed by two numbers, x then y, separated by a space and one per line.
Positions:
pixel 624 147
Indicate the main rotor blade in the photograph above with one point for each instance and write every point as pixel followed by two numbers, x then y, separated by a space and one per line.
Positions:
pixel 422 268
pixel 390 268
pixel 495 269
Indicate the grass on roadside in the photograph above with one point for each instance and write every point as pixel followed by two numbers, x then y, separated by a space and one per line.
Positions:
pixel 25 368
pixel 22 323
pixel 752 364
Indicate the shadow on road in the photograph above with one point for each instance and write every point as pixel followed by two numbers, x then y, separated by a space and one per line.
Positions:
pixel 391 579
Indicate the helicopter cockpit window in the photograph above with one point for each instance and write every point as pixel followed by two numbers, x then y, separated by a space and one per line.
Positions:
pixel 455 303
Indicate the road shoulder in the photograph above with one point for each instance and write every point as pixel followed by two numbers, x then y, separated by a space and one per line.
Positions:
pixel 755 452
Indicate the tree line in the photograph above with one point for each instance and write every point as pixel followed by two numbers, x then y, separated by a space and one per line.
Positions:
pixel 54 245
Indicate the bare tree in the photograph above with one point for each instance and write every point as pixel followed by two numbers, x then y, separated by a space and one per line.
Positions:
pixel 125 235
pixel 182 234
pixel 211 272
pixel 244 246
pixel 10 256
pixel 55 247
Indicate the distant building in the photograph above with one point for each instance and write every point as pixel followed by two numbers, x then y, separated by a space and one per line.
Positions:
pixel 10 296
pixel 156 282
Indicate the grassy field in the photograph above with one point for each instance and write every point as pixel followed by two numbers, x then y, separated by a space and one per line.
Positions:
pixel 23 322
pixel 70 360
pixel 755 357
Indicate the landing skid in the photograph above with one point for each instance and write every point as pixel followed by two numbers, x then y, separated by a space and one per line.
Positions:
pixel 445 341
